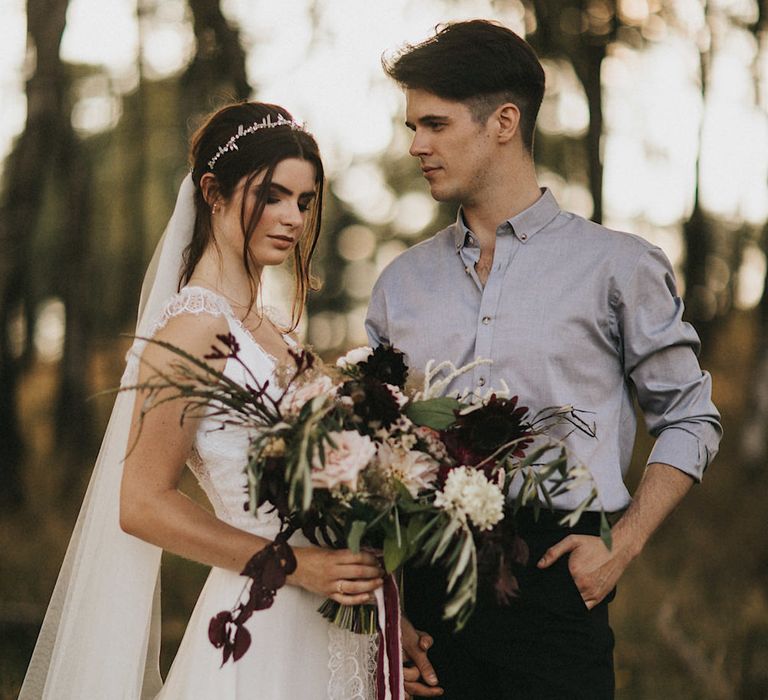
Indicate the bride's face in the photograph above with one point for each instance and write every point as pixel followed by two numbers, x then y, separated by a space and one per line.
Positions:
pixel 284 217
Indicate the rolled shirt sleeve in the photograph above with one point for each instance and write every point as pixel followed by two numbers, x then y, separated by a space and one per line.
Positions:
pixel 660 361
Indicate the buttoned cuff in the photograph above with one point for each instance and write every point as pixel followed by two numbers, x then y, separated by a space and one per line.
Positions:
pixel 682 450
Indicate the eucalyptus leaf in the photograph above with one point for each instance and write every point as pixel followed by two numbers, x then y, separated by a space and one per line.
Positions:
pixel 445 540
pixel 437 413
pixel 413 531
pixel 467 553
pixel 394 554
pixel 605 530
pixel 355 535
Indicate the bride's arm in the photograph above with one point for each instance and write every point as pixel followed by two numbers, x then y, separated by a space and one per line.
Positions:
pixel 153 509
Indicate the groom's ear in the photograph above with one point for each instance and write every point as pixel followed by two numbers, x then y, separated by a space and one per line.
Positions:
pixel 506 121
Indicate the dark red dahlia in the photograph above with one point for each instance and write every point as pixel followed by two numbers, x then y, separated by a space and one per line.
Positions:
pixel 374 405
pixel 475 436
pixel 386 364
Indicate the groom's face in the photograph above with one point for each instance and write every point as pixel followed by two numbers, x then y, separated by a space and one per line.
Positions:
pixel 454 150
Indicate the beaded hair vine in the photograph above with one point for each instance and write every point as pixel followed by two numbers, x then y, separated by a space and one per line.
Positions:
pixel 267 123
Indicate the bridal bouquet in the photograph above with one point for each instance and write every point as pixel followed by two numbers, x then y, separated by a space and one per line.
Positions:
pixel 354 456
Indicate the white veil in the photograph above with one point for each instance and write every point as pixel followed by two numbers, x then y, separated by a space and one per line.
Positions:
pixel 101 635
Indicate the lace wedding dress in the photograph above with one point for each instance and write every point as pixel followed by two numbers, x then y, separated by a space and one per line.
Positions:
pixel 295 654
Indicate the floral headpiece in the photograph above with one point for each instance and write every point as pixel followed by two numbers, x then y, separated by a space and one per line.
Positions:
pixel 267 123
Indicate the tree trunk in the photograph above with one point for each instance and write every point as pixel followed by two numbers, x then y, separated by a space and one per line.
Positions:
pixel 73 417
pixel 587 66
pixel 754 431
pixel 32 156
pixel 217 71
pixel 568 30
pixel 700 304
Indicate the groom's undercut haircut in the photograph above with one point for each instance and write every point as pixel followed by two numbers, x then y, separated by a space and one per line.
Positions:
pixel 480 63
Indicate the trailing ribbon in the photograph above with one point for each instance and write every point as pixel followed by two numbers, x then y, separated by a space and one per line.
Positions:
pixel 389 669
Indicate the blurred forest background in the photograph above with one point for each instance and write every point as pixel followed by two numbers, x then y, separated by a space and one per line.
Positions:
pixel 655 121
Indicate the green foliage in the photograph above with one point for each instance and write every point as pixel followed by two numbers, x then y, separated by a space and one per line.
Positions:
pixel 437 413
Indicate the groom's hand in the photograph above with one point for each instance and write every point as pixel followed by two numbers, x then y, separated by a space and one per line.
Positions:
pixel 595 568
pixel 420 678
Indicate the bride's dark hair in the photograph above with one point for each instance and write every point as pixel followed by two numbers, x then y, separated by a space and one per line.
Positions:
pixel 256 153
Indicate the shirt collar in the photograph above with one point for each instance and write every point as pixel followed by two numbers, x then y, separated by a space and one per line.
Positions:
pixel 523 225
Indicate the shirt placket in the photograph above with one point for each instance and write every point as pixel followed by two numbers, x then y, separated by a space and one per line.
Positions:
pixel 506 248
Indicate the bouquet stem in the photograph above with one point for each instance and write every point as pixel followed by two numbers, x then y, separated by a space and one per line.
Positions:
pixel 360 619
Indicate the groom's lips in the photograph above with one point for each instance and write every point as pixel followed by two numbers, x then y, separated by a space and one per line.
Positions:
pixel 427 170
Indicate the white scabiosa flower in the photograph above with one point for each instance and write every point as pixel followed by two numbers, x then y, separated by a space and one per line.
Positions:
pixel 354 356
pixel 468 494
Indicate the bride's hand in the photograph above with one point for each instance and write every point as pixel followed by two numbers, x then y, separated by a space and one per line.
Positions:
pixel 339 574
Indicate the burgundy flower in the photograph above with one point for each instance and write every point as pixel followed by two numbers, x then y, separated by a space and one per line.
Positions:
pixel 502 555
pixel 304 360
pixel 272 487
pixel 476 435
pixel 229 342
pixel 386 364
pixel 373 403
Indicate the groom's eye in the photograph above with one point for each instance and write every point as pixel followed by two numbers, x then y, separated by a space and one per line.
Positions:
pixel 435 126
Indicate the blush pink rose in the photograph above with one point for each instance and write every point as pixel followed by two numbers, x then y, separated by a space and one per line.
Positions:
pixel 295 400
pixel 344 462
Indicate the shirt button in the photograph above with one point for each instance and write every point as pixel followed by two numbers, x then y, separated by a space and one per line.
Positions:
pixel 466 269
pixel 523 237
pixel 481 381
pixel 486 320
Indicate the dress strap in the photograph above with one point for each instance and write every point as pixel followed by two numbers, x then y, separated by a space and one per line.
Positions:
pixel 190 300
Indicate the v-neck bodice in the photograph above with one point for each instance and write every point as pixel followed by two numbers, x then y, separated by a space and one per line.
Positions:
pixel 223 303
pixel 220 452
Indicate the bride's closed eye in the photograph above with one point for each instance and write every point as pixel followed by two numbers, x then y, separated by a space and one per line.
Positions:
pixel 304 202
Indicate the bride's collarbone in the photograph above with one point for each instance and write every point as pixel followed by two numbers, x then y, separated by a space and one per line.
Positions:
pixel 268 338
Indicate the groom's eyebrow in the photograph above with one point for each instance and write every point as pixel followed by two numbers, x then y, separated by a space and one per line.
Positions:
pixel 428 120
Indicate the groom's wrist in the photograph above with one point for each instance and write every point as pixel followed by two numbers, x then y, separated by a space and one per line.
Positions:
pixel 626 542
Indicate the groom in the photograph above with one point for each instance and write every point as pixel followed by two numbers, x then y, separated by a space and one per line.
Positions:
pixel 570 313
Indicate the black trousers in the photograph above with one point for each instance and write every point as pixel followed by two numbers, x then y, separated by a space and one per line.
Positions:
pixel 546 645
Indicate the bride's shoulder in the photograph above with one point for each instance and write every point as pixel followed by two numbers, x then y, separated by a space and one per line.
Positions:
pixel 195 301
pixel 190 320
pixel 190 308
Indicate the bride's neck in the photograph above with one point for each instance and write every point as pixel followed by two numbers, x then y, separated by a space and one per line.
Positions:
pixel 227 278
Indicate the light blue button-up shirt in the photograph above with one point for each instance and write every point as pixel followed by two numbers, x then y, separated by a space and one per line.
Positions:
pixel 571 313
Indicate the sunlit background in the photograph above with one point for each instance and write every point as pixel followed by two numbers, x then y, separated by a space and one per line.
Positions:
pixel 322 60
pixel 682 139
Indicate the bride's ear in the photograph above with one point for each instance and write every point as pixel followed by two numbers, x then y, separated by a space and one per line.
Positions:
pixel 210 189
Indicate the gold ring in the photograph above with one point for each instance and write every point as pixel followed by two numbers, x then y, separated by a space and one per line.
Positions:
pixel 340 587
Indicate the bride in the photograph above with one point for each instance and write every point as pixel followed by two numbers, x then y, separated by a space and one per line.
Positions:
pixel 253 199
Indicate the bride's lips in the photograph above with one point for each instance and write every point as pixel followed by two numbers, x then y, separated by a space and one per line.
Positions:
pixel 283 242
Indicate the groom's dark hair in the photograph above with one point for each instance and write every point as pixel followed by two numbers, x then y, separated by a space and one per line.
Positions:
pixel 479 63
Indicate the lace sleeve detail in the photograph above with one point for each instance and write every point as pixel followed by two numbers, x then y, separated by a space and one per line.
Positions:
pixel 190 300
